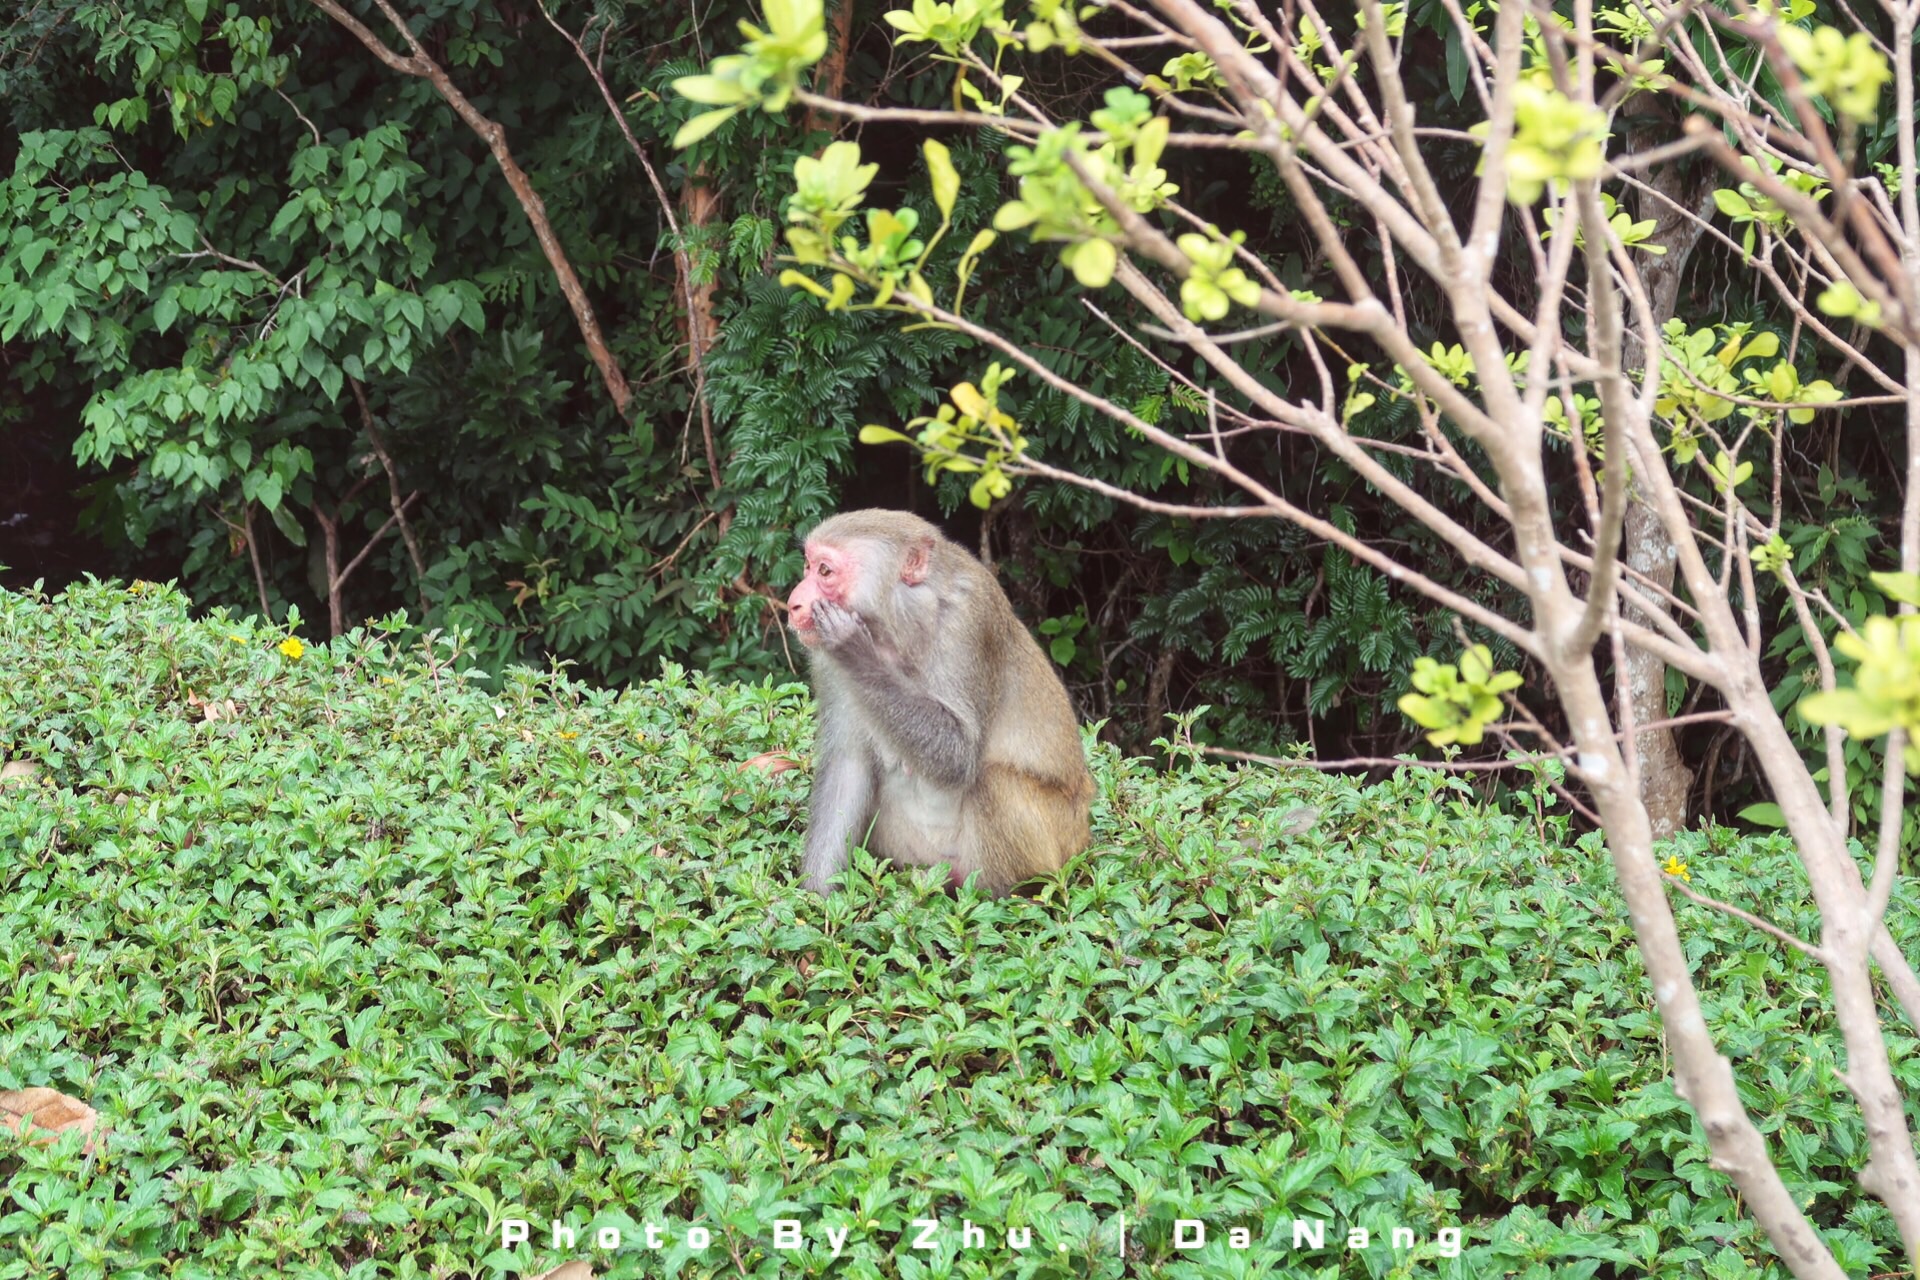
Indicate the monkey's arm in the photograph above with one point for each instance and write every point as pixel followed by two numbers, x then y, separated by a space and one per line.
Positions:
pixel 939 736
pixel 842 806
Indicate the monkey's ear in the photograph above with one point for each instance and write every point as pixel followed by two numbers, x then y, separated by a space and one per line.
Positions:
pixel 913 565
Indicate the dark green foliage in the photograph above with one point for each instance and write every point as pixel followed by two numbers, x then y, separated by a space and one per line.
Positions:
pixel 795 384
pixel 379 956
pixel 214 222
pixel 207 287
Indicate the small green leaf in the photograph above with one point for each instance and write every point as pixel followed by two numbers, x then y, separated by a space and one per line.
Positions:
pixel 1901 588
pixel 702 125
pixel 946 180
pixel 1092 262
pixel 710 91
pixel 1732 203
pixel 1014 215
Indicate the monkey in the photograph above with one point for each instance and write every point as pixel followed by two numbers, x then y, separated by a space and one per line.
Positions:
pixel 944 735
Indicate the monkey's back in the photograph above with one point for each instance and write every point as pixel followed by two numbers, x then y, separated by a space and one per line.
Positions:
pixel 1034 781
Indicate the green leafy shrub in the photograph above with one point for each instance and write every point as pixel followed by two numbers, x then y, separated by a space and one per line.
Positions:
pixel 359 958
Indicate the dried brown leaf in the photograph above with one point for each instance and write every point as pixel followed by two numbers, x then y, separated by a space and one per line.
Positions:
pixel 19 771
pixel 50 1113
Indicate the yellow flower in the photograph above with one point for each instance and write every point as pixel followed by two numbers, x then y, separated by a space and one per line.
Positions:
pixel 292 647
pixel 386 679
pixel 1675 867
pixel 569 734
pixel 238 639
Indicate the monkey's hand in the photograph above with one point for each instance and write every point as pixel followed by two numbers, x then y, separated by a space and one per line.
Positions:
pixel 843 632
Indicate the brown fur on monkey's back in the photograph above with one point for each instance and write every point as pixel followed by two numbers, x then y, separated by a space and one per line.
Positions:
pixel 1022 762
pixel 1041 810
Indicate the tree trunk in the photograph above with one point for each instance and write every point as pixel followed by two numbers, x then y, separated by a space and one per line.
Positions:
pixel 1665 779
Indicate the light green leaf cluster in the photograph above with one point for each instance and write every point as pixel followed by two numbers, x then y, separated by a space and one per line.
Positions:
pixel 1696 377
pixel 968 434
pixel 1632 234
pixel 1843 68
pixel 1747 208
pixel 1359 399
pixel 1885 694
pixel 1773 555
pixel 765 74
pixel 1841 300
pixel 1782 384
pixel 1457 703
pixel 1450 362
pixel 1056 22
pixel 1192 71
pixel 1555 139
pixel 1214 280
pixel 950 26
pixel 1586 418
pixel 828 191
pixel 1627 27
pixel 1726 474
pixel 1394 13
pixel 1055 205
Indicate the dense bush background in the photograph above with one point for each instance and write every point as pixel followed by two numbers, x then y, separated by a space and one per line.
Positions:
pixel 358 954
pixel 217 220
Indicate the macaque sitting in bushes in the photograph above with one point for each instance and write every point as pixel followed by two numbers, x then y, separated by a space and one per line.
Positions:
pixel 945 736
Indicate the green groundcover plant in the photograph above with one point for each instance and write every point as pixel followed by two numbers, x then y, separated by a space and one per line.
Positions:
pixel 363 960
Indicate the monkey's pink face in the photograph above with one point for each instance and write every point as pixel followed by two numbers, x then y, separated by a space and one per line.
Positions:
pixel 830 577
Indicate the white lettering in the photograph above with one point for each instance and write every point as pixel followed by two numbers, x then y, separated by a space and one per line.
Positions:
pixel 1359 1237
pixel 1189 1233
pixel 837 1238
pixel 1020 1238
pixel 1448 1238
pixel 925 1239
pixel 513 1231
pixel 607 1238
pixel 971 1237
pixel 1403 1237
pixel 698 1237
pixel 1239 1238
pixel 1314 1233
pixel 562 1236
pixel 786 1233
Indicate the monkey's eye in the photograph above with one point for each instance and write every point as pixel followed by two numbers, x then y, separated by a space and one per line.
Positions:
pixel 825 570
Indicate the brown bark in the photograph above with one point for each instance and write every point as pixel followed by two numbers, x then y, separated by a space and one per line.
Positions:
pixel 420 64
pixel 330 576
pixel 1665 779
pixel 830 73
pixel 701 205
pixel 394 500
